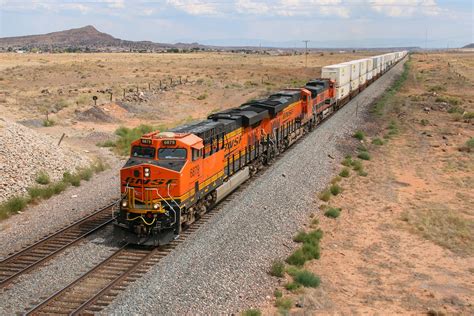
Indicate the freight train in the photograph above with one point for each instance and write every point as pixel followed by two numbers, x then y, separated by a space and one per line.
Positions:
pixel 172 178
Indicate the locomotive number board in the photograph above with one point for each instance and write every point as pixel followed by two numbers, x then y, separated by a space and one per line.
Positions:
pixel 169 142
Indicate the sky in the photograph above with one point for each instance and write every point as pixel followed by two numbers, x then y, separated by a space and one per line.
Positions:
pixel 284 23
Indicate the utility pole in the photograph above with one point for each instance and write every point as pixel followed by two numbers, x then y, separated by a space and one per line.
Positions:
pixel 306 52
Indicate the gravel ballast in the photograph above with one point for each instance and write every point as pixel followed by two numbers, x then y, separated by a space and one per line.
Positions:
pixel 24 152
pixel 222 268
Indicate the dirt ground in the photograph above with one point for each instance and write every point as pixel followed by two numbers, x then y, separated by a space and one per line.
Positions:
pixel 404 243
pixel 192 86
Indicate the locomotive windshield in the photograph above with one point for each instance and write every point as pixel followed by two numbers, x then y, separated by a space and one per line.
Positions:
pixel 172 153
pixel 143 152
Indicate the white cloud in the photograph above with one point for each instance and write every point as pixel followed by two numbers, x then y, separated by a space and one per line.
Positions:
pixel 194 7
pixel 291 8
pixel 405 8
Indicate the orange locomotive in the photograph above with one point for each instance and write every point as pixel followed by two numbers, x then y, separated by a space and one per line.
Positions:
pixel 172 178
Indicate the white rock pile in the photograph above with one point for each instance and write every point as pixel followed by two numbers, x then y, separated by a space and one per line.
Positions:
pixel 24 153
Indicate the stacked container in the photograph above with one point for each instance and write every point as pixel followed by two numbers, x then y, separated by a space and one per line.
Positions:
pixel 362 71
pixel 355 74
pixel 341 74
pixel 370 68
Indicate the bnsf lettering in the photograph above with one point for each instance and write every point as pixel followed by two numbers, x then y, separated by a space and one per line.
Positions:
pixel 287 114
pixel 232 143
pixel 137 181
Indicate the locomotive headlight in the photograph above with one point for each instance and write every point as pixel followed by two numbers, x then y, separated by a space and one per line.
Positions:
pixel 156 206
pixel 124 203
pixel 147 172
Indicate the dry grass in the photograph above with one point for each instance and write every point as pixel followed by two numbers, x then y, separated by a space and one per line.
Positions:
pixel 443 226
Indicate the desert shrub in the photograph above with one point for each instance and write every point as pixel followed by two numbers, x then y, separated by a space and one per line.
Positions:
pixel 362 173
pixel 364 155
pixel 335 189
pixel 13 205
pixel 457 117
pixel 127 135
pixel 456 109
pixel 74 180
pixel 277 293
pixel 202 96
pixel 284 303
pixel 357 165
pixel 292 286
pixel 347 161
pixel 470 143
pixel 37 192
pixel 85 173
pixel 437 88
pixel 59 187
pixel 315 222
pixel 252 312
pixel 107 143
pixel 100 166
pixel 48 123
pixel 277 269
pixel 307 279
pixel 42 178
pixel 424 122
pixel 344 173
pixel 377 141
pixel 333 212
pixel 325 195
pixel 359 135
pixel 297 258
pixel 468 115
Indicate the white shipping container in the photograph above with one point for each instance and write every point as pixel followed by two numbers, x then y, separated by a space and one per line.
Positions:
pixel 343 91
pixel 355 85
pixel 339 73
pixel 363 79
pixel 355 69
pixel 370 65
pixel 362 66
pixel 370 75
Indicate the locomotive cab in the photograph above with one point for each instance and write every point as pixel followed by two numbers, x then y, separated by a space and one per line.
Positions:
pixel 152 187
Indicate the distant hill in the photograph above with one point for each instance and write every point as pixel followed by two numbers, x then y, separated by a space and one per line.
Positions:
pixel 86 38
pixel 469 45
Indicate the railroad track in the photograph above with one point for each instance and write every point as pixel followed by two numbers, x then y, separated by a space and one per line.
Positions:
pixel 96 289
pixel 41 251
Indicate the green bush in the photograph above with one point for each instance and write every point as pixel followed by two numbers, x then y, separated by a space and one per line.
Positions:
pixel 37 192
pixel 357 165
pixel 312 237
pixel 85 174
pixel 292 286
pixel 347 161
pixel 468 116
pixel 297 258
pixel 100 166
pixel 42 178
pixel 75 179
pixel 107 143
pixel 377 141
pixel 333 212
pixel 362 173
pixel 59 187
pixel 359 135
pixel 13 205
pixel 470 143
pixel 252 312
pixel 128 135
pixel 424 122
pixel 335 189
pixel 277 269
pixel 277 293
pixel 48 123
pixel 284 303
pixel 344 173
pixel 307 279
pixel 325 195
pixel 364 155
